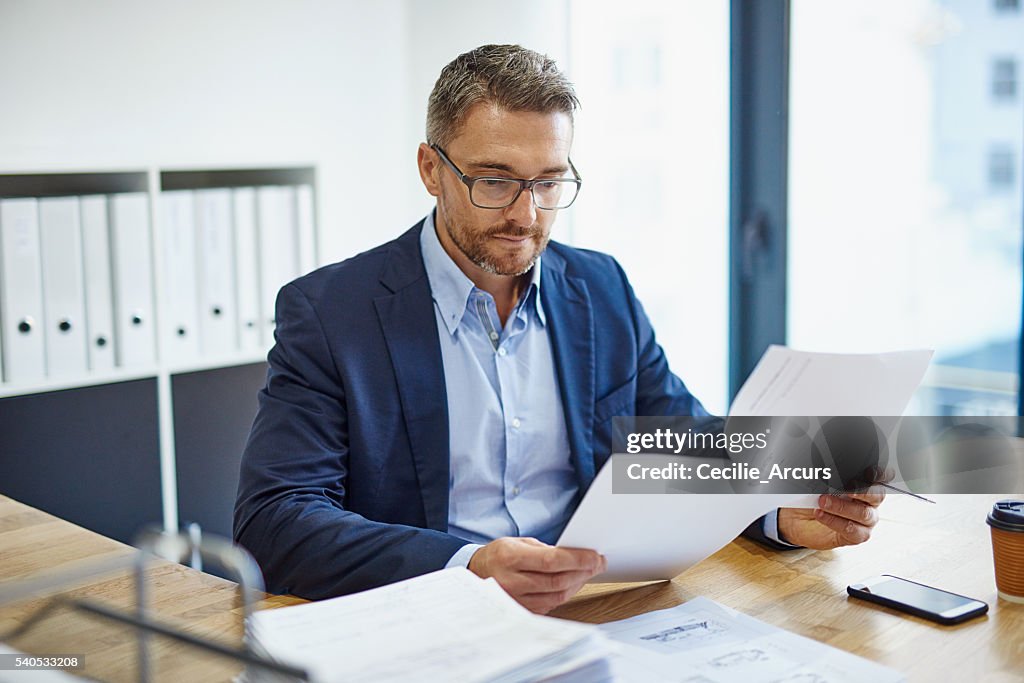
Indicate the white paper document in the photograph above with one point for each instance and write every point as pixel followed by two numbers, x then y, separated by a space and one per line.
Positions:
pixel 449 625
pixel 648 537
pixel 703 641
pixel 801 383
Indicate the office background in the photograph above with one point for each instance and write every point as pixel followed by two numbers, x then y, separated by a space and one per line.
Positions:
pixel 835 175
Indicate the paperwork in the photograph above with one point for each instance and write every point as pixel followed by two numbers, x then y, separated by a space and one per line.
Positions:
pixel 798 383
pixel 449 625
pixel 652 537
pixel 711 643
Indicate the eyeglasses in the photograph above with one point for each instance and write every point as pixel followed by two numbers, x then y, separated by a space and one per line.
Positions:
pixel 488 192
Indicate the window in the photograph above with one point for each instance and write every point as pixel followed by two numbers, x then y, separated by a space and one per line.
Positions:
pixel 1001 169
pixel 652 145
pixel 896 239
pixel 1004 80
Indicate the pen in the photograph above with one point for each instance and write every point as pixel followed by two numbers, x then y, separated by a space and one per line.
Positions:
pixel 909 493
pixel 837 492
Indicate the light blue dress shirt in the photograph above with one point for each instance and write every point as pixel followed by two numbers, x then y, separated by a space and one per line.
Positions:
pixel 510 468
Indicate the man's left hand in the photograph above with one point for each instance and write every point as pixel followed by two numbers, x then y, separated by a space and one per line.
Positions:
pixel 837 521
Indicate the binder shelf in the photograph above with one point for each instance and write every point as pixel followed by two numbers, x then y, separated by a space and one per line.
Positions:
pixel 111 277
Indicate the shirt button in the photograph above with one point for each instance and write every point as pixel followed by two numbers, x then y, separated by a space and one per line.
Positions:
pixel 494 336
pixel 515 490
pixel 516 423
pixel 502 351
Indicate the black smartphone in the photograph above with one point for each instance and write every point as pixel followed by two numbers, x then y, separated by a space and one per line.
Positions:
pixel 918 599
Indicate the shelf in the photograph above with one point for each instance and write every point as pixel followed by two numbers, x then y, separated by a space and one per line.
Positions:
pixel 132 419
pixel 130 374
pixel 214 363
pixel 95 379
pixel 189 179
pixel 65 184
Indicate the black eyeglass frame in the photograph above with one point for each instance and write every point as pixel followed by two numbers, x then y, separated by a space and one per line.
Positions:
pixel 469 181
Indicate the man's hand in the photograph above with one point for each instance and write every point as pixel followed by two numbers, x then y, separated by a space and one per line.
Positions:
pixel 837 521
pixel 540 577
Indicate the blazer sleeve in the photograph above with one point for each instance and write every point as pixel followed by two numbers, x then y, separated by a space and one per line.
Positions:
pixel 290 510
pixel 660 392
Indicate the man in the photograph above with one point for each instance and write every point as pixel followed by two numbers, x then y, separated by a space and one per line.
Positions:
pixel 446 398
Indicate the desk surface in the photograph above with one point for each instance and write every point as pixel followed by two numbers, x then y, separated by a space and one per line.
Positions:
pixel 34 543
pixel 946 545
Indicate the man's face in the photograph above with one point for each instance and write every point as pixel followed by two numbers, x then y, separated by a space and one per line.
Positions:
pixel 498 143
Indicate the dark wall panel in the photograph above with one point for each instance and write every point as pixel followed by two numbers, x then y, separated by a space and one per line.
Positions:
pixel 213 411
pixel 88 455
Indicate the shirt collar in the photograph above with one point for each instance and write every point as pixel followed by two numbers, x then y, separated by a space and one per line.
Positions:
pixel 450 287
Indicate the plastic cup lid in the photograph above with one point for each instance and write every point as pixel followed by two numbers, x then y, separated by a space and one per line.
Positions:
pixel 1007 515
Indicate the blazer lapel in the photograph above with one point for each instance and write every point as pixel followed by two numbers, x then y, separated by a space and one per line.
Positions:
pixel 410 332
pixel 570 320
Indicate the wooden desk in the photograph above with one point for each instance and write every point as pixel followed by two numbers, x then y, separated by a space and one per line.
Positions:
pixel 33 542
pixel 945 545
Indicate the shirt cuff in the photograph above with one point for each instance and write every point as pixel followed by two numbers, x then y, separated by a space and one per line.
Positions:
pixel 770 527
pixel 463 555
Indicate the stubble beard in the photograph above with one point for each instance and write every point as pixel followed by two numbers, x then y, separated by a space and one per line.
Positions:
pixel 474 246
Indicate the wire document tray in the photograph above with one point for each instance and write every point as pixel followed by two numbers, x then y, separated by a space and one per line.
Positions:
pixel 142 617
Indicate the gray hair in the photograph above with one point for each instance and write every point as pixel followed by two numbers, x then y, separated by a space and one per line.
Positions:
pixel 510 76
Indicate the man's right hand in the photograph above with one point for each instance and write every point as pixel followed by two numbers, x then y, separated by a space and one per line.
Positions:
pixel 539 576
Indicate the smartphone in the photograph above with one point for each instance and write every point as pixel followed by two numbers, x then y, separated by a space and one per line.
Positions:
pixel 918 599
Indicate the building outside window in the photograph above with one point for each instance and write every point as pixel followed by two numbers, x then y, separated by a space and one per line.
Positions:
pixel 905 199
pixel 1001 176
pixel 1004 79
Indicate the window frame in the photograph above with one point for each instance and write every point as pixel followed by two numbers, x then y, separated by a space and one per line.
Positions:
pixel 758 184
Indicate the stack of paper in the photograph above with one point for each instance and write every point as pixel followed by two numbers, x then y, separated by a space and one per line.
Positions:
pixel 445 626
pixel 711 643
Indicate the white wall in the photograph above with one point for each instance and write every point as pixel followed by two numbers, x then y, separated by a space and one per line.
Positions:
pixel 440 30
pixel 342 84
pixel 114 84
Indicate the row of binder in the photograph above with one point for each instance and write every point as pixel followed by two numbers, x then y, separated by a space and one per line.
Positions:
pixel 226 253
pixel 77 285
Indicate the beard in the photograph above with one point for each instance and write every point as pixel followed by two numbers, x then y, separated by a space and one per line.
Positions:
pixel 488 254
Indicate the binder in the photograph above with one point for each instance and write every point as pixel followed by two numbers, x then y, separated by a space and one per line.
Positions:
pixel 247 285
pixel 304 212
pixel 132 259
pixel 60 236
pixel 275 219
pixel 99 299
pixel 217 315
pixel 21 298
pixel 179 341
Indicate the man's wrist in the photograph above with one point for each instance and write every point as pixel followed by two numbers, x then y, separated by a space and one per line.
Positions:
pixel 463 556
pixel 771 529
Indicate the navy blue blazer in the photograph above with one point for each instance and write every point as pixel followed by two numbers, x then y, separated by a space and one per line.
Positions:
pixel 344 479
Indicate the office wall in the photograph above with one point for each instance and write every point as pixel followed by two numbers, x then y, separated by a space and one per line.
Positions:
pixel 127 84
pixel 439 30
pixel 340 84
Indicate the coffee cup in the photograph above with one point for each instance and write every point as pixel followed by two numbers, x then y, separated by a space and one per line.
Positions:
pixel 1007 522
